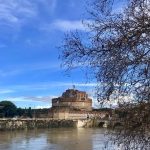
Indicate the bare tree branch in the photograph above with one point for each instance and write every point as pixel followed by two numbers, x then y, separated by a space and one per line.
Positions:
pixel 117 50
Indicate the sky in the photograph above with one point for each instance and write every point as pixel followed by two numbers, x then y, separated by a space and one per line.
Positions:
pixel 30 33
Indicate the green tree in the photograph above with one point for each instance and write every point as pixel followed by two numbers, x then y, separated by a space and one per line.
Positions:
pixel 29 112
pixel 8 109
pixel 20 112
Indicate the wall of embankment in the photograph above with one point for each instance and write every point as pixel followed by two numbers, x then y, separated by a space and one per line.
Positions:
pixel 24 124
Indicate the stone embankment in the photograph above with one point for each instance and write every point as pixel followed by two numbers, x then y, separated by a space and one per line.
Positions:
pixel 36 123
pixel 19 124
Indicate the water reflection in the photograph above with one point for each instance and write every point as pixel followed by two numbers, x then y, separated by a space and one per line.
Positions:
pixel 54 139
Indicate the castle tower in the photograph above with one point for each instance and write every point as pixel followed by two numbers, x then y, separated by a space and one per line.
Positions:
pixel 73 99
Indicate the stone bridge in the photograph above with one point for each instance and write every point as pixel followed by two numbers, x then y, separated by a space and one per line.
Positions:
pixel 12 124
pixel 97 122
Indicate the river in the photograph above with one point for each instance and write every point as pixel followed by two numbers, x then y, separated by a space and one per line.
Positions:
pixel 55 139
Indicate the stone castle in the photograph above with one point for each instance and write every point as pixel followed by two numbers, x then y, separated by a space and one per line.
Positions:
pixel 73 104
pixel 73 99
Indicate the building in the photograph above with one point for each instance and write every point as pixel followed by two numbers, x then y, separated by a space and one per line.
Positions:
pixel 73 104
pixel 73 99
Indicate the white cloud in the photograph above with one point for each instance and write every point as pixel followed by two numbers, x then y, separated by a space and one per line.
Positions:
pixel 42 106
pixel 6 91
pixel 17 99
pixel 31 101
pixel 19 69
pixel 65 25
pixel 47 86
pixel 16 11
pixel 40 98
pixel 46 99
pixel 5 73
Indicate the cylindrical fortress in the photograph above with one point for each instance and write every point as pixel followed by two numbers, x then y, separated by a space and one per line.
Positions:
pixel 73 99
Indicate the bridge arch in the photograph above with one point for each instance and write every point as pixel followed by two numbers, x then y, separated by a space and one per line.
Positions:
pixel 101 124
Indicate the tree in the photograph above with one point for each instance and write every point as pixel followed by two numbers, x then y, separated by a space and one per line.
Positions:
pixel 8 109
pixel 29 112
pixel 20 112
pixel 117 52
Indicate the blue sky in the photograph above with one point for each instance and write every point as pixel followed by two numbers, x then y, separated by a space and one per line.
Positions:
pixel 30 32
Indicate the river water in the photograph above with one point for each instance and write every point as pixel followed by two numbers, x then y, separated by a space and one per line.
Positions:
pixel 55 139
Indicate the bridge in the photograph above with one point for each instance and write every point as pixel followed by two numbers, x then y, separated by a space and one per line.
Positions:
pixel 99 122
pixel 48 122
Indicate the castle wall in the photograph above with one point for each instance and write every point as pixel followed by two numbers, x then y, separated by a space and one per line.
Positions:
pixel 77 116
pixel 71 100
pixel 61 115
pixel 76 104
pixel 67 115
pixel 64 115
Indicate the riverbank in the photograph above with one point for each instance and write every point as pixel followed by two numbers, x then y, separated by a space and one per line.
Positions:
pixel 37 123
pixel 23 124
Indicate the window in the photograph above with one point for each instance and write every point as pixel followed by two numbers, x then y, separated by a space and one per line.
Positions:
pixel 83 98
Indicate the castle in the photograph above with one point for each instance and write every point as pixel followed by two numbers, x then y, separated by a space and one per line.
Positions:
pixel 73 104
pixel 73 99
